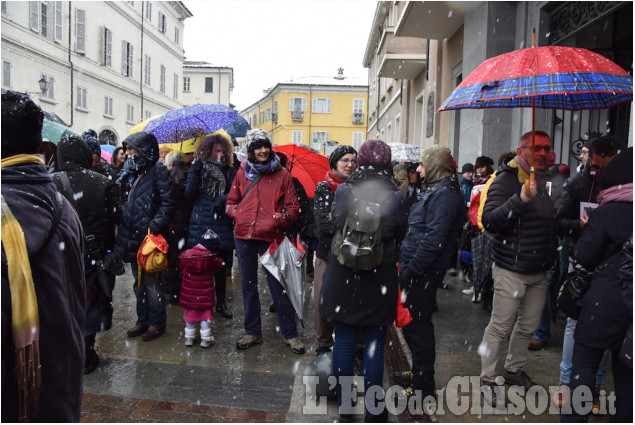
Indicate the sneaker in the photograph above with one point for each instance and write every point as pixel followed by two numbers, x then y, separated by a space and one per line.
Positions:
pixel 296 345
pixel 476 299
pixel 518 378
pixel 92 360
pixel 189 341
pixel 468 291
pixel 322 350
pixel 536 344
pixel 595 409
pixel 561 395
pixel 452 271
pixel 152 333
pixel 403 378
pixel 137 330
pixel 247 341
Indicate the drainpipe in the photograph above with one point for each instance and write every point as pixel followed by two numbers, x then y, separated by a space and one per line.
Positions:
pixel 408 110
pixel 219 86
pixel 310 108
pixel 141 57
pixel 70 62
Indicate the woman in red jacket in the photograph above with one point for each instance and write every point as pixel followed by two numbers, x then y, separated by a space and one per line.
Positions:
pixel 262 202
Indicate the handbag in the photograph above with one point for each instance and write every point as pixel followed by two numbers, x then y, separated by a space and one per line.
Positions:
pixel 113 264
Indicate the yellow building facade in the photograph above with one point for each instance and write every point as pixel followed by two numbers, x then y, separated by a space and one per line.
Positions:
pixel 313 111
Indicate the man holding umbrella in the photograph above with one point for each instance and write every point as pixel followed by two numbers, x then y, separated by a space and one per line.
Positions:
pixel 523 225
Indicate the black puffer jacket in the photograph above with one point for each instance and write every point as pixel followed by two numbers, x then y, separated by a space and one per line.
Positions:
pixel 150 201
pixel 58 277
pixel 434 226
pixel 525 237
pixel 322 204
pixel 604 316
pixel 95 196
pixel 580 187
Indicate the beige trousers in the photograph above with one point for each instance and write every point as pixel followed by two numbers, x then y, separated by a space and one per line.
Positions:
pixel 520 298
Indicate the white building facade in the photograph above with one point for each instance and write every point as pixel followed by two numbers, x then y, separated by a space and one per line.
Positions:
pixel 108 65
pixel 207 83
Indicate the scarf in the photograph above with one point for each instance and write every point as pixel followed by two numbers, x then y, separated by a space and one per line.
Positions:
pixel 21 159
pixel 131 169
pixel 25 322
pixel 252 170
pixel 621 193
pixel 213 180
pixel 333 180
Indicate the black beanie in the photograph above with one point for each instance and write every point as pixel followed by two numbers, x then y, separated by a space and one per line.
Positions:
pixel 338 153
pixel 618 171
pixel 467 168
pixel 21 124
pixel 483 161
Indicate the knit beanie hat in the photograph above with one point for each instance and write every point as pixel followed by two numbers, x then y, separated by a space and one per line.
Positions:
pixel 618 171
pixel 92 142
pixel 438 163
pixel 467 168
pixel 21 124
pixel 210 240
pixel 338 153
pixel 256 138
pixel 376 153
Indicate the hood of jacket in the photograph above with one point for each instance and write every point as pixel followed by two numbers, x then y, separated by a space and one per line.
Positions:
pixel 73 154
pixel 438 163
pixel 146 144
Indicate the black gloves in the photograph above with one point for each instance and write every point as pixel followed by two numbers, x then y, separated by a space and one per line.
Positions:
pixel 219 204
pixel 405 279
pixel 197 165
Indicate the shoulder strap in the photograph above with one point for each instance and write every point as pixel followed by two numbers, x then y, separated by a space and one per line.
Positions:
pixel 67 191
pixel 251 185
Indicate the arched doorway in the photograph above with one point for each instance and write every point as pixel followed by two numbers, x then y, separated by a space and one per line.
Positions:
pixel 107 137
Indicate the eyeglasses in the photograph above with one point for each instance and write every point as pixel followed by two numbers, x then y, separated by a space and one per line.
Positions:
pixel 348 161
pixel 547 149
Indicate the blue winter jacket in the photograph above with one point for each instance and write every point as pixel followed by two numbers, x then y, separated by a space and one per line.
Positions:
pixel 434 226
pixel 150 201
pixel 209 211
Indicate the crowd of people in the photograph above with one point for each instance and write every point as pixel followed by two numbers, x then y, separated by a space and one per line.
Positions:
pixel 378 229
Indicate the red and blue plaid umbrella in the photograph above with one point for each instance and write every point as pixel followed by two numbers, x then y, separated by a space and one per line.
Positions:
pixel 190 122
pixel 554 77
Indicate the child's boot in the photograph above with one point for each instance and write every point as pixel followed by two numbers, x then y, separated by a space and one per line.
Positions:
pixel 190 334
pixel 207 339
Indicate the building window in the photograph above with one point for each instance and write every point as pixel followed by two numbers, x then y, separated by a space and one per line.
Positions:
pixel 175 87
pixel 146 70
pixel 80 31
pixel 358 139
pixel 209 85
pixel 321 105
pixel 6 74
pixel 320 137
pixel 267 114
pixel 39 16
pixel 297 106
pixel 162 80
pixel 254 120
pixel 163 22
pixel 430 116
pixel 274 111
pixel 126 59
pixel 296 136
pixel 147 114
pixel 108 107
pixel 129 113
pixel 81 99
pixel 389 133
pixel 4 9
pixel 59 22
pixel 49 93
pixel 186 84
pixel 148 11
pixel 397 135
pixel 177 35
pixel 261 116
pixel 107 55
pixel 358 111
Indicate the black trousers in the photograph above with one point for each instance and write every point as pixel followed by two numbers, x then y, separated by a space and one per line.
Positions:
pixel 586 361
pixel 220 277
pixel 419 334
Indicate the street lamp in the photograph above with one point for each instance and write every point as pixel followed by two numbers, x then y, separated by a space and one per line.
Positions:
pixel 44 84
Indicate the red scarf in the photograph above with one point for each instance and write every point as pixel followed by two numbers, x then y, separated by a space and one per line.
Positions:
pixel 333 180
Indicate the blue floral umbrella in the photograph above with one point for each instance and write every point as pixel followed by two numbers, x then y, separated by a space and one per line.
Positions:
pixel 238 128
pixel 190 122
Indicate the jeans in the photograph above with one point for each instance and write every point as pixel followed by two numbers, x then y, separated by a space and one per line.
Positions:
pixel 586 361
pixel 419 334
pixel 374 338
pixel 567 356
pixel 150 299
pixel 247 252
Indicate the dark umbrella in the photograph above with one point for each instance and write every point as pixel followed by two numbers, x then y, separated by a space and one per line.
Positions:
pixel 238 128
pixel 307 166
pixel 190 122
pixel 551 77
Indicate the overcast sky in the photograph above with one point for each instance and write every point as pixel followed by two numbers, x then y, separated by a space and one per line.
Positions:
pixel 267 42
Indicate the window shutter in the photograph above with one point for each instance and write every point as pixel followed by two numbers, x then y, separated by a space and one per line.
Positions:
pixel 291 104
pixel 130 62
pixel 303 104
pixel 59 24
pixel 328 137
pixel 314 103
pixel 34 15
pixel 124 57
pixel 329 104
pixel 80 31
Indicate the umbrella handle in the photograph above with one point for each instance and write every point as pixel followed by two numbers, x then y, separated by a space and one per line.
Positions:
pixel 532 178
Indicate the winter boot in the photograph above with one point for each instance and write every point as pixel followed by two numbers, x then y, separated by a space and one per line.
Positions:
pixel 207 339
pixel 92 359
pixel 190 335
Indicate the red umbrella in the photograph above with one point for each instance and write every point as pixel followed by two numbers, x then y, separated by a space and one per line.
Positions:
pixel 307 166
pixel 551 77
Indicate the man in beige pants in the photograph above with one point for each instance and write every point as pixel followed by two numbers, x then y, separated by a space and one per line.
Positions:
pixel 523 224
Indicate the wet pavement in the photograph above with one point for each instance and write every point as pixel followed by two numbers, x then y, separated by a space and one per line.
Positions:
pixel 164 381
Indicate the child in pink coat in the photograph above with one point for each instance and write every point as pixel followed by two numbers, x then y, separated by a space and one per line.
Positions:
pixel 198 266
